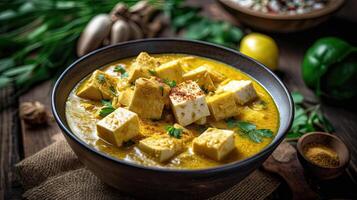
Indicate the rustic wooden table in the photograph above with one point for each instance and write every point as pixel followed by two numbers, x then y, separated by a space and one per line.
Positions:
pixel 18 141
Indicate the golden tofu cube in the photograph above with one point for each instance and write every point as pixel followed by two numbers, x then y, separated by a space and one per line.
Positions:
pixel 244 90
pixel 99 86
pixel 188 103
pixel 125 96
pixel 222 105
pixel 171 70
pixel 201 76
pixel 214 143
pixel 161 147
pixel 118 127
pixel 149 98
pixel 142 66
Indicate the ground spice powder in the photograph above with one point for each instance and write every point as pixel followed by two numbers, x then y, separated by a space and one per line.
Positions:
pixel 321 155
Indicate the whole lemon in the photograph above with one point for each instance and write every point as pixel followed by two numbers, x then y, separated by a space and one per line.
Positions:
pixel 261 48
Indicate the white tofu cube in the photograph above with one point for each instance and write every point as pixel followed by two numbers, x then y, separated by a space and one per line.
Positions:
pixel 244 90
pixel 214 143
pixel 119 126
pixel 161 147
pixel 188 103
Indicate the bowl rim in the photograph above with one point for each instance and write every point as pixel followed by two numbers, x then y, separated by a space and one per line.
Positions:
pixel 331 7
pixel 324 134
pixel 221 168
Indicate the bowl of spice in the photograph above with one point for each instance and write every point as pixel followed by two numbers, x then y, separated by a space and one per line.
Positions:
pixel 281 15
pixel 323 155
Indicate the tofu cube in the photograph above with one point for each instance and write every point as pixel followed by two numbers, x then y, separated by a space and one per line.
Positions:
pixel 161 147
pixel 214 143
pixel 125 96
pixel 188 103
pixel 142 66
pixel 149 98
pixel 99 86
pixel 244 90
pixel 171 70
pixel 201 76
pixel 118 127
pixel 222 105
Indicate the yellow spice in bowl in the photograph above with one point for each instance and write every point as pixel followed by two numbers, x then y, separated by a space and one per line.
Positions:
pixel 321 155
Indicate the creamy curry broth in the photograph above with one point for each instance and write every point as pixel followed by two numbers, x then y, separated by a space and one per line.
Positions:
pixel 80 114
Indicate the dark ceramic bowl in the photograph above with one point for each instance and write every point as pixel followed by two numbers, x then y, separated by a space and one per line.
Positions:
pixel 281 23
pixel 152 182
pixel 332 141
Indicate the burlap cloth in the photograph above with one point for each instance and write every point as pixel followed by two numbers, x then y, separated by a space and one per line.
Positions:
pixel 56 173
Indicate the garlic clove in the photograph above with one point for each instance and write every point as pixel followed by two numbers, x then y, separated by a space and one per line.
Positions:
pixel 139 6
pixel 120 32
pixel 94 34
pixel 119 10
pixel 136 32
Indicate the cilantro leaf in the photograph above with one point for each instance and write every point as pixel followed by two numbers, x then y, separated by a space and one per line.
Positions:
pixel 101 78
pixel 249 130
pixel 120 68
pixel 174 132
pixel 152 72
pixel 106 109
pixel 170 83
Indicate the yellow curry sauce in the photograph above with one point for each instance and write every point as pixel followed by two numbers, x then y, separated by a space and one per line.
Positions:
pixel 80 114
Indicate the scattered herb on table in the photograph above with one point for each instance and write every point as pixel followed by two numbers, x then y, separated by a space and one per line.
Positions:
pixel 106 109
pixel 174 132
pixel 198 27
pixel 170 83
pixel 307 119
pixel 38 37
pixel 249 130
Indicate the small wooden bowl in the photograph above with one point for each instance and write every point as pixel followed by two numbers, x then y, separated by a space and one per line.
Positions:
pixel 323 173
pixel 282 23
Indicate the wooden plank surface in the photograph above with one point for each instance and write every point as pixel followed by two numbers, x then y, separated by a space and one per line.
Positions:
pixel 35 139
pixel 10 150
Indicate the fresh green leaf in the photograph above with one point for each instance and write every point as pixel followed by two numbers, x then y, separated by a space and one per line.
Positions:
pixel 106 109
pixel 4 81
pixel 297 97
pixel 170 83
pixel 101 78
pixel 249 130
pixel 119 68
pixel 152 72
pixel 174 132
pixel 19 70
pixel 6 63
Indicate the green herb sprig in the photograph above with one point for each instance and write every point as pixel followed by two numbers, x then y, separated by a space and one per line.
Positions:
pixel 249 130
pixel 121 70
pixel 307 119
pixel 38 37
pixel 106 109
pixel 174 132
pixel 170 83
pixel 198 27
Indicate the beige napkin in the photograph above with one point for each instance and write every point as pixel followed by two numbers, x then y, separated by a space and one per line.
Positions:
pixel 56 173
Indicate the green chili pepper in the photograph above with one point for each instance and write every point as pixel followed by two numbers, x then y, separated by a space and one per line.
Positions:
pixel 330 68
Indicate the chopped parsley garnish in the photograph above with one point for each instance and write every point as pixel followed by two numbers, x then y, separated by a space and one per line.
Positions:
pixel 162 90
pixel 121 70
pixel 170 83
pixel 152 72
pixel 101 78
pixel 249 130
pixel 113 90
pixel 174 132
pixel 106 109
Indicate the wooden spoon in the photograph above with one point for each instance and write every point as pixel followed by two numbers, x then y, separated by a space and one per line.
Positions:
pixel 284 162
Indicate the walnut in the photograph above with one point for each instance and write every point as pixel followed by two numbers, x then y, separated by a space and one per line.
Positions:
pixel 34 113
